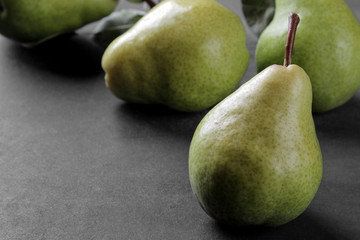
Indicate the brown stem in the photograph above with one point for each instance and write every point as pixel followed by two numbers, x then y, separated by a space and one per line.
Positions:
pixel 294 20
pixel 151 3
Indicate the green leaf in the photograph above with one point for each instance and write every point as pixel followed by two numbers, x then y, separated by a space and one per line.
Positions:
pixel 116 24
pixel 258 14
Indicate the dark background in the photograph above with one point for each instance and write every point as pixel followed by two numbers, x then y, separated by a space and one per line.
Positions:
pixel 77 163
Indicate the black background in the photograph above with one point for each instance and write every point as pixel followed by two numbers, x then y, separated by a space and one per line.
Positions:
pixel 77 163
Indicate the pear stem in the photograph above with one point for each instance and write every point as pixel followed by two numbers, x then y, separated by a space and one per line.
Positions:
pixel 151 3
pixel 294 20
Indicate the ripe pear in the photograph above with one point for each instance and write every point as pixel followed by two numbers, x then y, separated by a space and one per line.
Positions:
pixel 29 22
pixel 327 48
pixel 184 54
pixel 255 158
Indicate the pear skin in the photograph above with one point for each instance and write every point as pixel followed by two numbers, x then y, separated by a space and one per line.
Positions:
pixel 255 158
pixel 327 48
pixel 184 54
pixel 28 21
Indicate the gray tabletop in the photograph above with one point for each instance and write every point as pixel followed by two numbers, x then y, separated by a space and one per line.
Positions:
pixel 77 163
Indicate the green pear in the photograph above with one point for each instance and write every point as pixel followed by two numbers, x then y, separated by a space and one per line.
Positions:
pixel 255 158
pixel 28 21
pixel 184 54
pixel 327 48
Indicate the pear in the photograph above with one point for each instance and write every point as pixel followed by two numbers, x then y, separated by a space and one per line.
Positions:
pixel 327 48
pixel 184 54
pixel 255 158
pixel 30 22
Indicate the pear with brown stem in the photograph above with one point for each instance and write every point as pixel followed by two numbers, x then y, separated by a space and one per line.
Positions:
pixel 255 158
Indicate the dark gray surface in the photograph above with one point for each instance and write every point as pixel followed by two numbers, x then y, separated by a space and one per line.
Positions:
pixel 77 163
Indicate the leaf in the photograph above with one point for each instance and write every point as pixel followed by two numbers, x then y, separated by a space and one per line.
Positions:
pixel 150 3
pixel 136 1
pixel 116 24
pixel 258 14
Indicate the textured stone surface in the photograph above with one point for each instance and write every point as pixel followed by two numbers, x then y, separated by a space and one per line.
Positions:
pixel 77 163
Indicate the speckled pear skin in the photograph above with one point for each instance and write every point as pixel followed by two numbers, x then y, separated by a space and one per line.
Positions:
pixel 255 158
pixel 30 21
pixel 184 54
pixel 326 47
